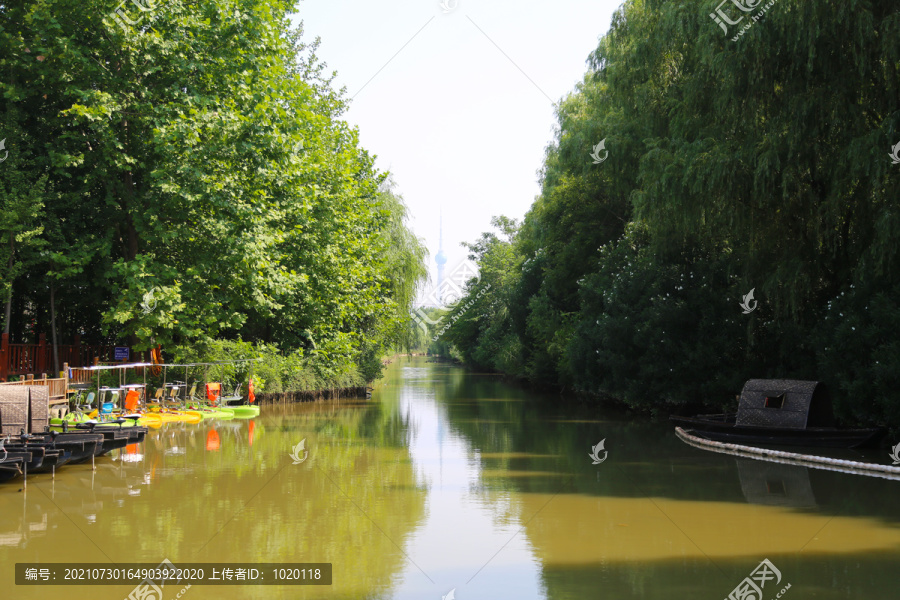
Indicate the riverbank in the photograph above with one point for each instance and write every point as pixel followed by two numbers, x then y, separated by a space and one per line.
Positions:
pixel 312 395
pixel 453 467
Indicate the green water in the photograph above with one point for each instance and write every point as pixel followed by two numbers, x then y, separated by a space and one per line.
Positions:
pixel 448 480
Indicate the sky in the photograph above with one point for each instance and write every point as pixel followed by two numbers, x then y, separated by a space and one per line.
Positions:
pixel 457 104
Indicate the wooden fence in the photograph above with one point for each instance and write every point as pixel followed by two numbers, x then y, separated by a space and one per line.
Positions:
pixel 36 359
pixel 57 387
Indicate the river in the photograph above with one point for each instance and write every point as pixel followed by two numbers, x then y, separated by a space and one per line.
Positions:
pixel 455 484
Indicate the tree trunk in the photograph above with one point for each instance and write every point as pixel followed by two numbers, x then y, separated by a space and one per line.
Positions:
pixel 12 248
pixel 53 327
pixel 8 310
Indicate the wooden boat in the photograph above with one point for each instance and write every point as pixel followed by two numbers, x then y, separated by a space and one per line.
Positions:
pixel 31 458
pixel 782 412
pixel 44 457
pixel 114 437
pixel 112 440
pixel 44 452
pixel 10 468
pixel 81 445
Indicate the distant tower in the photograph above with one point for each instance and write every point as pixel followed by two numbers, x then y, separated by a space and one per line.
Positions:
pixel 441 260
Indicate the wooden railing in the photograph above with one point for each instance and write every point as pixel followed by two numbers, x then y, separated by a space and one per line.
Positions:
pixel 58 387
pixel 37 359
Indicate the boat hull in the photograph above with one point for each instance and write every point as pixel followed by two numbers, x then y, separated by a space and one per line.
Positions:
pixel 243 411
pixel 115 437
pixel 822 437
pixel 82 449
pixel 211 413
pixel 10 469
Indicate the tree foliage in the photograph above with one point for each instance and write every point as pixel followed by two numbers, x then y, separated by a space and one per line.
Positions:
pixel 198 165
pixel 754 164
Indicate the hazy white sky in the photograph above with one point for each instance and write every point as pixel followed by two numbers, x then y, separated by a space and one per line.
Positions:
pixel 457 105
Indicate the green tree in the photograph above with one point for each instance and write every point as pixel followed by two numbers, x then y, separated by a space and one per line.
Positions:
pixel 732 165
pixel 208 187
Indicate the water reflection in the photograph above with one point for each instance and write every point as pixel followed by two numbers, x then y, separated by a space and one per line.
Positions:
pixel 773 484
pixel 227 491
pixel 452 480
pixel 658 519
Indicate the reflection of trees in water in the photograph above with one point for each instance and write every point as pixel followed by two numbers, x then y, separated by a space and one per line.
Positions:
pixel 600 531
pixel 264 508
pixel 518 430
pixel 832 578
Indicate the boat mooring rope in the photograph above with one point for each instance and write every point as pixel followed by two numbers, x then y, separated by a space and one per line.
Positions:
pixel 792 458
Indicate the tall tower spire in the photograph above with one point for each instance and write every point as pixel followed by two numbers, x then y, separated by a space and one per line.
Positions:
pixel 441 260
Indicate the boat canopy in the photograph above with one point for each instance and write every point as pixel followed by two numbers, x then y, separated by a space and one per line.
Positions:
pixel 784 403
pixel 15 414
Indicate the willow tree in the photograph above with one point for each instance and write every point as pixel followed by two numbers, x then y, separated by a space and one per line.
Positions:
pixel 755 161
pixel 402 261
pixel 774 146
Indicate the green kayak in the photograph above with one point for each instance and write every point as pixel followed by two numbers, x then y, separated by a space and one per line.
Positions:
pixel 242 411
pixel 207 412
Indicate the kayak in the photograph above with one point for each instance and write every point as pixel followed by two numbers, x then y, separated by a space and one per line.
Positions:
pixel 188 416
pixel 152 420
pixel 176 416
pixel 242 411
pixel 212 413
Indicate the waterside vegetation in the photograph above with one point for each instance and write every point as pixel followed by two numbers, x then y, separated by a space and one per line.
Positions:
pixel 759 165
pixel 190 179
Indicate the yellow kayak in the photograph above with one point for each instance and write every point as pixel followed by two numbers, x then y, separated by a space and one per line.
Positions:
pixel 185 416
pixel 153 420
pixel 179 416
